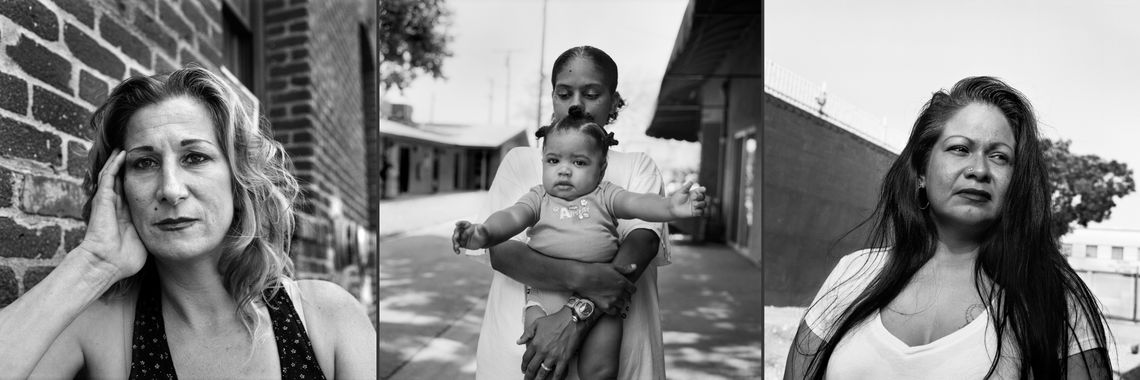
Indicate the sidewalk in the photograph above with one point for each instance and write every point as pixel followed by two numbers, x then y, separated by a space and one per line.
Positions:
pixel 413 213
pixel 431 304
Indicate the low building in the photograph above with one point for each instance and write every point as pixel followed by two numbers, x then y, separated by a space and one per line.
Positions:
pixel 420 159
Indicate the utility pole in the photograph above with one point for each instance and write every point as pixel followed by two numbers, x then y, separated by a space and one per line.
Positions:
pixel 541 70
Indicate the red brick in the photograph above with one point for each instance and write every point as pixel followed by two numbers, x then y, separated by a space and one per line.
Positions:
pixel 52 197
pixel 76 160
pixel 92 89
pixel 14 96
pixel 286 42
pixel 301 109
pixel 23 141
pixel 300 53
pixel 125 41
pixel 174 21
pixel 277 112
pixel 299 26
pixel 152 30
pixel 293 124
pixel 90 52
pixel 286 15
pixel 81 9
pixel 28 243
pixel 194 15
pixel 290 69
pixel 33 276
pixel 41 63
pixel 32 16
pixel 61 113
pixel 9 288
pixel 72 238
pixel 6 178
pixel 163 66
pixel 300 80
pixel 291 96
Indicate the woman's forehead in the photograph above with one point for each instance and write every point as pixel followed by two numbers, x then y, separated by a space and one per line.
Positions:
pixel 580 72
pixel 176 118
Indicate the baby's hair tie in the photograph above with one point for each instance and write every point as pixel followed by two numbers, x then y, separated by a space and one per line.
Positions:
pixel 610 140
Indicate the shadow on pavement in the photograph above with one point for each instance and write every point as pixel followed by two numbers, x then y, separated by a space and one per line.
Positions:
pixel 425 290
pixel 712 314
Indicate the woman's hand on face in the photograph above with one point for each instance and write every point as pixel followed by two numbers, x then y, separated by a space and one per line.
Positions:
pixel 111 237
pixel 687 201
pixel 550 343
pixel 607 286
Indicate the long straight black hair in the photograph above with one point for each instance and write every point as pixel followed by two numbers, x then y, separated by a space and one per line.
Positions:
pixel 1035 292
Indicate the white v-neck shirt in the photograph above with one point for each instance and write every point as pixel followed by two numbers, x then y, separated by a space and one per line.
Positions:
pixel 870 351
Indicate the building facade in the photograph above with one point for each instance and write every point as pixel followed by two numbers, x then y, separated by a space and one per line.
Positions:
pixel 308 65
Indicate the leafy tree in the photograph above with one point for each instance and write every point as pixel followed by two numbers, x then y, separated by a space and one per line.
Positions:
pixel 413 40
pixel 1084 186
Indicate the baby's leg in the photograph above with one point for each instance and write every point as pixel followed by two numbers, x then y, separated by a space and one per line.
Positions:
pixel 598 357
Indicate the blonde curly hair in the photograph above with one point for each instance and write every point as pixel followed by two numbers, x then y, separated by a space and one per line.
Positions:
pixel 256 256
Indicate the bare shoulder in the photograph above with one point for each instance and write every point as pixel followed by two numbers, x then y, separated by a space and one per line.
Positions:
pixel 328 298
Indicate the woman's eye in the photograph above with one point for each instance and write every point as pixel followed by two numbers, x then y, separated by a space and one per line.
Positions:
pixel 1000 157
pixel 562 95
pixel 592 95
pixel 145 163
pixel 958 149
pixel 195 158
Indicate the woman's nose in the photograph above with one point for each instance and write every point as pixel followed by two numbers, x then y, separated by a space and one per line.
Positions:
pixel 173 188
pixel 980 170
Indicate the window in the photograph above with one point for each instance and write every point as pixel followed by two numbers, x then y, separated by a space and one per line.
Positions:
pixel 1118 253
pixel 241 51
pixel 1067 249
pixel 1090 250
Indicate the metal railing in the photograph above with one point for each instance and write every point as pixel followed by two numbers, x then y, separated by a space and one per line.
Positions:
pixel 813 98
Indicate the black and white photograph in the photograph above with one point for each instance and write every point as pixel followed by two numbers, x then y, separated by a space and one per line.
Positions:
pixel 948 190
pixel 185 189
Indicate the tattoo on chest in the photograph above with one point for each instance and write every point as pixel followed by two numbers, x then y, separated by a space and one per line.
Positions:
pixel 973 311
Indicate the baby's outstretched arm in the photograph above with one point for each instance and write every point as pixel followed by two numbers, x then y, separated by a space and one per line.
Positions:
pixel 687 201
pixel 499 227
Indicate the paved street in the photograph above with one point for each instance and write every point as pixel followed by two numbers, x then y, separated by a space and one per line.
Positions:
pixel 431 305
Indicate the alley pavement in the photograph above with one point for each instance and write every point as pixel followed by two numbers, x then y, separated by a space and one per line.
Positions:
pixel 432 302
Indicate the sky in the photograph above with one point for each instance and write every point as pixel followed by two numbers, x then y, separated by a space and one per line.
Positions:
pixel 1078 63
pixel 638 34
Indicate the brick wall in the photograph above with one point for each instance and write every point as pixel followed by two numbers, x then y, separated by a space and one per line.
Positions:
pixel 819 182
pixel 60 58
pixel 58 61
pixel 315 97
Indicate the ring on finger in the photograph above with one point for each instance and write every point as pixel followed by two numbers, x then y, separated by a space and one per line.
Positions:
pixel 544 367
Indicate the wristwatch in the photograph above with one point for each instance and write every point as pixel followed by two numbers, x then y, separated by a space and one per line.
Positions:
pixel 581 308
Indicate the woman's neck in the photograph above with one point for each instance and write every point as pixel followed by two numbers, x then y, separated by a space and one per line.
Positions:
pixel 195 294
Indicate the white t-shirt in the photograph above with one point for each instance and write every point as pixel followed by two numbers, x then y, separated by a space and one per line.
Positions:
pixel 642 354
pixel 870 351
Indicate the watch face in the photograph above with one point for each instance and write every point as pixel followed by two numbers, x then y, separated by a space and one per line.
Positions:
pixel 585 308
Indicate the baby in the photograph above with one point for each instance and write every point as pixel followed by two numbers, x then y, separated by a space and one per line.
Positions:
pixel 573 215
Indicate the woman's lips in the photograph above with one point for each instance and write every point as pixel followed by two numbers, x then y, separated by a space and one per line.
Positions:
pixel 175 224
pixel 975 195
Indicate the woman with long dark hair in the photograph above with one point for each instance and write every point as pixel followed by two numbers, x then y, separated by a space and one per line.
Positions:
pixel 964 279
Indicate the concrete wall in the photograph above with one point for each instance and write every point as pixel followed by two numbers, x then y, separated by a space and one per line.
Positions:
pixel 819 182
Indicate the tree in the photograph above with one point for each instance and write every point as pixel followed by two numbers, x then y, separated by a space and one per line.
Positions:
pixel 413 40
pixel 1084 186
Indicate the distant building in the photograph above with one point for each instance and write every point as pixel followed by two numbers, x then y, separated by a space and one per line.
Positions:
pixel 788 169
pixel 1107 250
pixel 436 158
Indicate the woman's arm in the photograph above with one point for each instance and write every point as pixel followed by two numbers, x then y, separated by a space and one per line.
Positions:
pixel 110 251
pixel 1090 364
pixel 804 346
pixel 345 318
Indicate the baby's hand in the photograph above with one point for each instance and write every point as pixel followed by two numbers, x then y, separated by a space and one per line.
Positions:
pixel 468 235
pixel 688 201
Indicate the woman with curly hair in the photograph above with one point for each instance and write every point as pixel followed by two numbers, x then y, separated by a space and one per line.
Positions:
pixel 184 271
pixel 964 279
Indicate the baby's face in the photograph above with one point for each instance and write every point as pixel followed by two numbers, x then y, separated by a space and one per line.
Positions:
pixel 572 164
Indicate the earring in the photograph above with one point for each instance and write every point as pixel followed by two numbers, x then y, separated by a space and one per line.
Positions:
pixel 921 191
